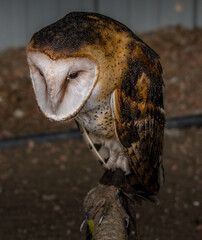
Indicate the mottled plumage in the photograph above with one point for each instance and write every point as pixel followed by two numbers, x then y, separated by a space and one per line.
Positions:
pixel 121 109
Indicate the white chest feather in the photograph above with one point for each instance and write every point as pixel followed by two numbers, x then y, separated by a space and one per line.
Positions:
pixel 98 129
pixel 98 121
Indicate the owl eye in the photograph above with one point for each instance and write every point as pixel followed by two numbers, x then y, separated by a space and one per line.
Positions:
pixel 73 75
pixel 40 72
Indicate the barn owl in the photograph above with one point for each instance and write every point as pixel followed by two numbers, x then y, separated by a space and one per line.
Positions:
pixel 94 69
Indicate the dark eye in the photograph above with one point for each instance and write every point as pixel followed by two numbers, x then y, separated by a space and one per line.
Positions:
pixel 74 75
pixel 40 72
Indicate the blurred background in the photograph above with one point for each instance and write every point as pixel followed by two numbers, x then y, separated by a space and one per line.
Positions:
pixel 21 18
pixel 46 169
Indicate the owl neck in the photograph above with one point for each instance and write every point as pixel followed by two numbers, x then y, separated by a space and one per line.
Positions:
pixel 97 119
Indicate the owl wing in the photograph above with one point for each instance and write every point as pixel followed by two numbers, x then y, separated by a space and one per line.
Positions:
pixel 137 107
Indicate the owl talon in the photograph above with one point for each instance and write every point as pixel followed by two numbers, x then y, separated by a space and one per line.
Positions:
pixel 101 219
pixel 127 219
pixel 83 223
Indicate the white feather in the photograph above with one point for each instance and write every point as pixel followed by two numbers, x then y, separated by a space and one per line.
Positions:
pixel 48 87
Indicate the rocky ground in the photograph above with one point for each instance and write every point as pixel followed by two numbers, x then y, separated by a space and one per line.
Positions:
pixel 42 186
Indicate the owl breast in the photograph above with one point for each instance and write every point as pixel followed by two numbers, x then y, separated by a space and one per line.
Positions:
pixel 98 128
pixel 98 121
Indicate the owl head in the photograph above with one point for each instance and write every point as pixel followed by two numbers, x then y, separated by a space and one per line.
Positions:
pixel 78 61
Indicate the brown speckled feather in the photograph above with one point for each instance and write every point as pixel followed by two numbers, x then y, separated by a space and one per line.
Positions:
pixel 139 117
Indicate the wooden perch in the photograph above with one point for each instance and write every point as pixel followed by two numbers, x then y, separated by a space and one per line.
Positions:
pixel 107 216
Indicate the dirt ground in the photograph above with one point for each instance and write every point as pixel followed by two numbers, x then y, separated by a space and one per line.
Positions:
pixel 42 186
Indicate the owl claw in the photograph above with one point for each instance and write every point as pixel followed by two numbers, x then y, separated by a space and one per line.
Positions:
pixel 127 219
pixel 83 223
pixel 104 213
pixel 101 219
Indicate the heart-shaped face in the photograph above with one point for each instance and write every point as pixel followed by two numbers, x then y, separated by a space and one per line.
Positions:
pixel 63 86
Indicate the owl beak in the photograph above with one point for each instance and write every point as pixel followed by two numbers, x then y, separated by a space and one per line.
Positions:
pixel 54 98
